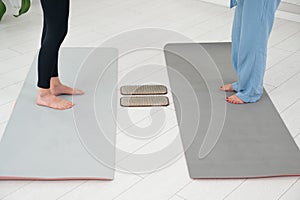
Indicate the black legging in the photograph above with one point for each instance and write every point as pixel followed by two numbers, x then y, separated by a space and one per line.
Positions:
pixel 56 14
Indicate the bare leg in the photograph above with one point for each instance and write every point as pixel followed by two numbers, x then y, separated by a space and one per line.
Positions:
pixel 227 88
pixel 46 98
pixel 57 88
pixel 234 99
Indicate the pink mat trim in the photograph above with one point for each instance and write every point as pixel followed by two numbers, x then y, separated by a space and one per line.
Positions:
pixel 51 179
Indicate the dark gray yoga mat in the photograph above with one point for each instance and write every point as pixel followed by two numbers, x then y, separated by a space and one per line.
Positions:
pixel 79 143
pixel 222 140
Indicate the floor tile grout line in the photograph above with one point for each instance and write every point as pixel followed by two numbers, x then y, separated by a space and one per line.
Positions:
pixel 284 82
pixel 289 5
pixel 181 197
pixel 293 103
pixel 223 25
pixel 6 103
pixel 127 189
pixel 197 15
pixel 271 90
pixel 186 185
pixel 15 83
pixel 23 53
pixel 282 60
pixel 297 135
pixel 5 59
pixel 19 188
pixel 162 134
pixel 296 74
pixel 289 16
pixel 15 51
pixel 125 171
pixel 215 15
pixel 274 45
pixel 71 190
pixel 154 72
pixel 154 113
pixel 268 84
pixel 234 189
pixel 281 24
pixel 143 147
pixel 204 21
pixel 138 63
pixel 15 69
pixel 290 51
pixel 3 122
pixel 214 4
pixel 288 189
pixel 78 186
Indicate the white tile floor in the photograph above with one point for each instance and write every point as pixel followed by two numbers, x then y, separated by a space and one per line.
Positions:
pixel 93 22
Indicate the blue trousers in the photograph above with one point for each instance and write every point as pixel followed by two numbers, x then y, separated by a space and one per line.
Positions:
pixel 253 22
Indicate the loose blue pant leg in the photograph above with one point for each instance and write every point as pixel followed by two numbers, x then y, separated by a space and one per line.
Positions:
pixel 257 17
pixel 235 36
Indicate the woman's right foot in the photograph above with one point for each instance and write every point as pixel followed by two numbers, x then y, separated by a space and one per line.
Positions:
pixel 46 98
pixel 227 88
pixel 234 99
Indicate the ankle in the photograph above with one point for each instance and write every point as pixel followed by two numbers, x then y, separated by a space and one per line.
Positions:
pixel 54 82
pixel 43 92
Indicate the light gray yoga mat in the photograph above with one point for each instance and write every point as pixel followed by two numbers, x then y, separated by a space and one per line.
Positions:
pixel 79 143
pixel 222 140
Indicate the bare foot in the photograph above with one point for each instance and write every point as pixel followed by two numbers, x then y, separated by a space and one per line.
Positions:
pixel 234 100
pixel 63 89
pixel 45 98
pixel 227 88
pixel 57 88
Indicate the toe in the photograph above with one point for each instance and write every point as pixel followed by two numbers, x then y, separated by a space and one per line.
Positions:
pixel 59 107
pixel 68 103
pixel 77 91
pixel 66 107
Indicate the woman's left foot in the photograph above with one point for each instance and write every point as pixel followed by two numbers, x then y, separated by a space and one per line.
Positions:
pixel 227 88
pixel 234 99
pixel 63 89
